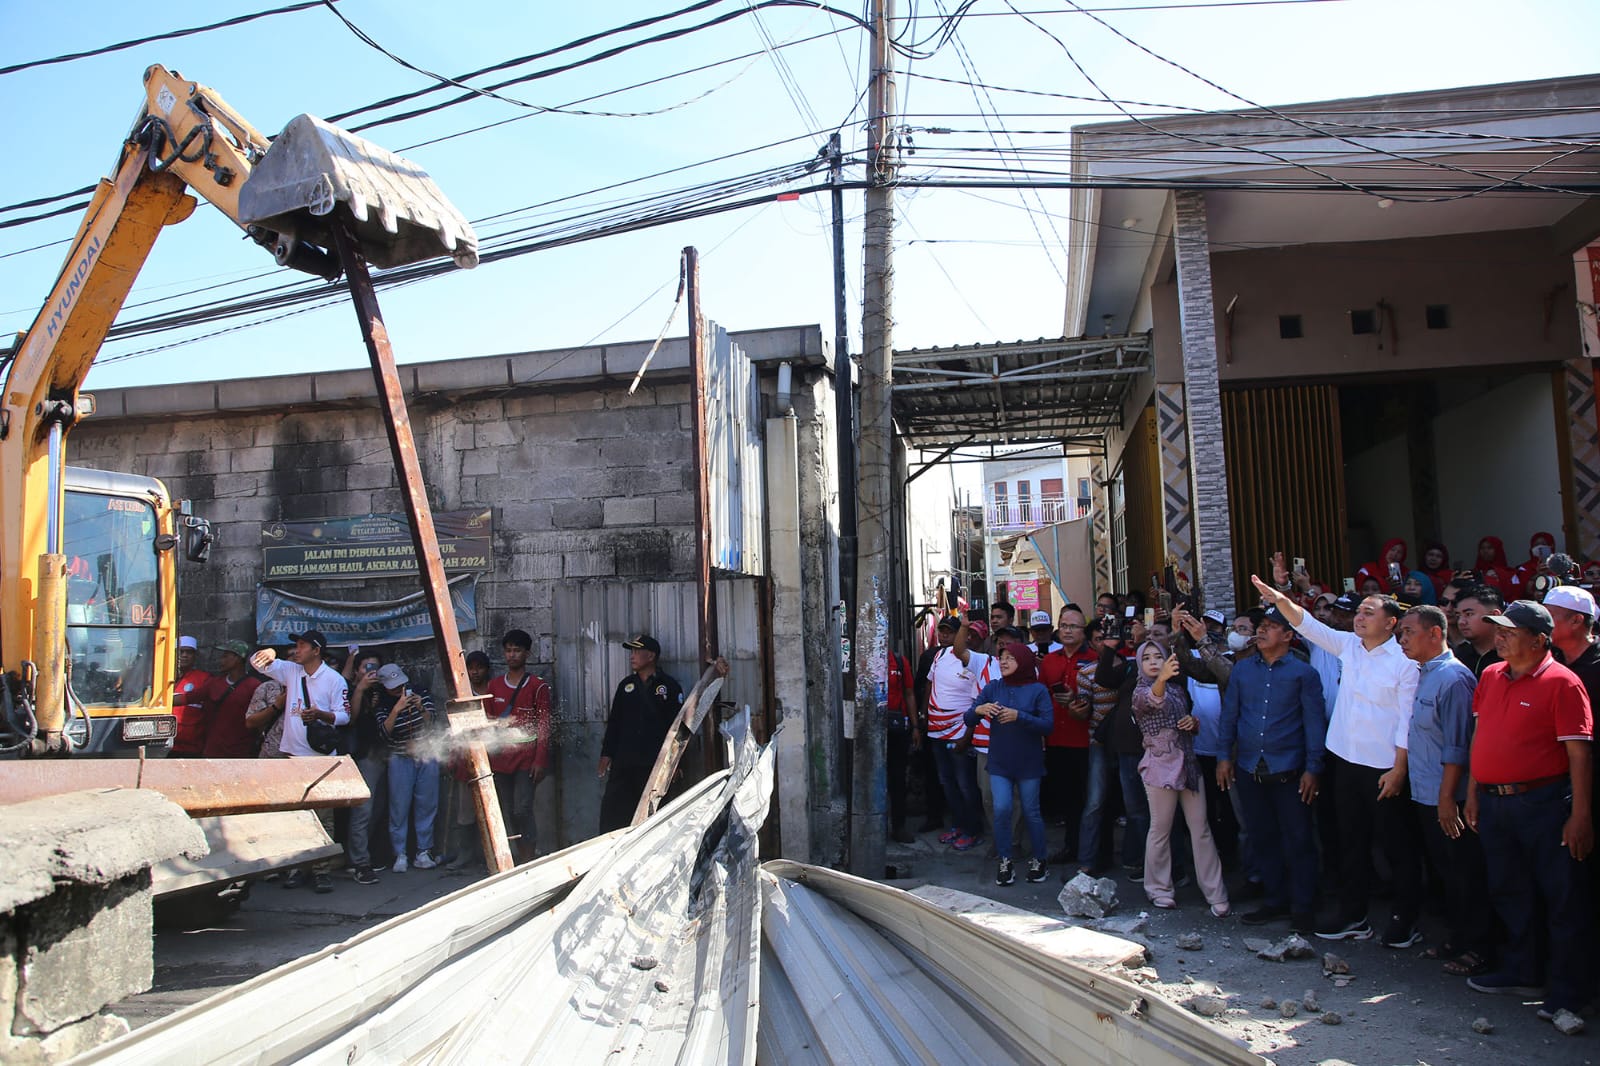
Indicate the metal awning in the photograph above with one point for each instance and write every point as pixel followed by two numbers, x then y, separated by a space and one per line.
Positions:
pixel 1068 390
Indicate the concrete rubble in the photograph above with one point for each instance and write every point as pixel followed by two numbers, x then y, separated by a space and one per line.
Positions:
pixel 1089 897
pixel 1289 1008
pixel 1567 1023
pixel 75 913
pixel 1332 1017
pixel 1333 964
pixel 1189 942
pixel 1207 1006
pixel 1309 1001
pixel 1482 1026
pixel 1129 925
pixel 1293 946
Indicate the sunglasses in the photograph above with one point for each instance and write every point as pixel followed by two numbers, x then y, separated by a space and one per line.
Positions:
pixel 1447 603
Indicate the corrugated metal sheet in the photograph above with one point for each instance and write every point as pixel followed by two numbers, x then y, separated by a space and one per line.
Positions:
pixel 734 456
pixel 592 618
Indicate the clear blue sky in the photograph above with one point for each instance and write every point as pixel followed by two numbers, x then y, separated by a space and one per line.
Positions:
pixel 969 268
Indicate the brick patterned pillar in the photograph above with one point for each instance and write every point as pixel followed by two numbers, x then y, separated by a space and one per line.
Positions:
pixel 1100 531
pixel 1583 379
pixel 1177 501
pixel 1203 401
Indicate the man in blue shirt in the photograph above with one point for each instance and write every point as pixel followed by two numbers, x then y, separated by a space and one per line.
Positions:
pixel 1440 748
pixel 1273 722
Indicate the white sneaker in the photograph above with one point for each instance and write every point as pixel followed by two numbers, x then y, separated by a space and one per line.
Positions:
pixel 400 865
pixel 425 861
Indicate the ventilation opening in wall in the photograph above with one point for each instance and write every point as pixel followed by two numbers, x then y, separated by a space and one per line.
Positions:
pixel 1438 316
pixel 1364 321
pixel 1289 327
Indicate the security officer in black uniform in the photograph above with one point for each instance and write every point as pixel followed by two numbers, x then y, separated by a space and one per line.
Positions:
pixel 642 711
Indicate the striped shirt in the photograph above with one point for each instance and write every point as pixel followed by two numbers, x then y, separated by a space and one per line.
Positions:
pixel 953 686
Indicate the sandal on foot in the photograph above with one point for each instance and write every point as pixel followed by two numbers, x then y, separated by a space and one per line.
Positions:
pixel 1440 951
pixel 1220 910
pixel 1467 964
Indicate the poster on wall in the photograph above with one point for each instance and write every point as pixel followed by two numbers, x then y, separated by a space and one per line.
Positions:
pixel 280 615
pixel 373 545
pixel 1025 593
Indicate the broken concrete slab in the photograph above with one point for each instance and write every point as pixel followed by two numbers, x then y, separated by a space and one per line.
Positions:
pixel 1089 897
pixel 1189 942
pixel 1054 937
pixel 1129 925
pixel 1207 1006
pixel 1293 946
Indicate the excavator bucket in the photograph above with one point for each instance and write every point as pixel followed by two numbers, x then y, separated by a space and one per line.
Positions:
pixel 314 173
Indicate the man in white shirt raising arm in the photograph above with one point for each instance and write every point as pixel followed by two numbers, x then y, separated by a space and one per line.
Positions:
pixel 1367 738
pixel 314 691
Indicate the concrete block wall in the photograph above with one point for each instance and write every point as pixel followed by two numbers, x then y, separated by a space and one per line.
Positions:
pixel 586 481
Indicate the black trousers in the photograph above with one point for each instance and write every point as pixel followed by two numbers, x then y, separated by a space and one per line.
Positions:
pixel 1465 880
pixel 1363 818
pixel 932 790
pixel 624 786
pixel 1061 793
pixel 898 762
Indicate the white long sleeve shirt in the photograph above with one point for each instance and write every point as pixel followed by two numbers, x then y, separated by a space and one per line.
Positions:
pixel 328 692
pixel 1372 715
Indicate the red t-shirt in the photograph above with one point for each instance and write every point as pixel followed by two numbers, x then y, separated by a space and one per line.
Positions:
pixel 1058 672
pixel 531 713
pixel 191 702
pixel 1523 723
pixel 228 737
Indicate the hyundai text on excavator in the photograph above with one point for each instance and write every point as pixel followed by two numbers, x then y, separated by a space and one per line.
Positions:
pixel 88 604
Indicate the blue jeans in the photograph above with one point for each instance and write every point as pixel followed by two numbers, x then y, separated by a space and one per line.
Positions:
pixel 1137 805
pixel 1528 866
pixel 413 792
pixel 373 766
pixel 958 775
pixel 1102 771
pixel 1027 790
pixel 1282 840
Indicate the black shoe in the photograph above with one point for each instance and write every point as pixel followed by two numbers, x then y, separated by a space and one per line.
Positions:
pixel 1400 934
pixel 1305 924
pixel 295 879
pixel 1263 915
pixel 1342 929
pixel 365 876
pixel 1135 874
pixel 323 884
pixel 1248 890
pixel 1007 874
pixel 1036 871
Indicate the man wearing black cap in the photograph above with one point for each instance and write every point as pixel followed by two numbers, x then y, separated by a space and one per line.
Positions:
pixel 1529 800
pixel 642 711
pixel 314 692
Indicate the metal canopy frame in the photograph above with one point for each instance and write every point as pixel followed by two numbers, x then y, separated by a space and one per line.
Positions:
pixel 1019 392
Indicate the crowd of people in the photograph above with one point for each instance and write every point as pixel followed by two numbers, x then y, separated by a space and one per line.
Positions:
pixel 322 700
pixel 1425 739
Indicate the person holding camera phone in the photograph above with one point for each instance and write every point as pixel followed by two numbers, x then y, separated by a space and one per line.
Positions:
pixel 1068 747
pixel 405 717
pixel 371 756
pixel 316 697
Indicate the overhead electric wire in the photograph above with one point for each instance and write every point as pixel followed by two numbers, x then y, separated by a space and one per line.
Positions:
pixel 1251 103
pixel 170 35
pixel 971 69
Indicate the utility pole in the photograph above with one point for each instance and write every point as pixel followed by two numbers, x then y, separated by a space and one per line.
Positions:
pixel 869 779
pixel 844 420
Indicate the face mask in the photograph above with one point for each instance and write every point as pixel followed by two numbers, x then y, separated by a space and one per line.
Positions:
pixel 1237 641
pixel 1540 551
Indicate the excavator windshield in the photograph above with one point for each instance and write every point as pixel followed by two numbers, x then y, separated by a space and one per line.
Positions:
pixel 113 597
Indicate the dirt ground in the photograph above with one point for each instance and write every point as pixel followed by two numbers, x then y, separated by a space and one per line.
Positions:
pixel 1398 1009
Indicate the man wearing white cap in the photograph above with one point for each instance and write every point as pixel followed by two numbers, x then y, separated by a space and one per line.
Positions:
pixel 1575 617
pixel 190 702
pixel 1573 611
pixel 1042 628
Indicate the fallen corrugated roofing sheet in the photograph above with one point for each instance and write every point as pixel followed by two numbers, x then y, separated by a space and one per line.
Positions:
pixel 650 959
pixel 857 972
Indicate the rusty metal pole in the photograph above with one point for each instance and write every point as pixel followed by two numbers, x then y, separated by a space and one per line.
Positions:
pixel 465 710
pixel 705 591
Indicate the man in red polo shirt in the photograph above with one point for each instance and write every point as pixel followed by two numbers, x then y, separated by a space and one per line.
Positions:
pixel 1528 799
pixel 1066 753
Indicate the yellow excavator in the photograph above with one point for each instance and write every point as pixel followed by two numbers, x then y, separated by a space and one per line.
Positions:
pixel 88 559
